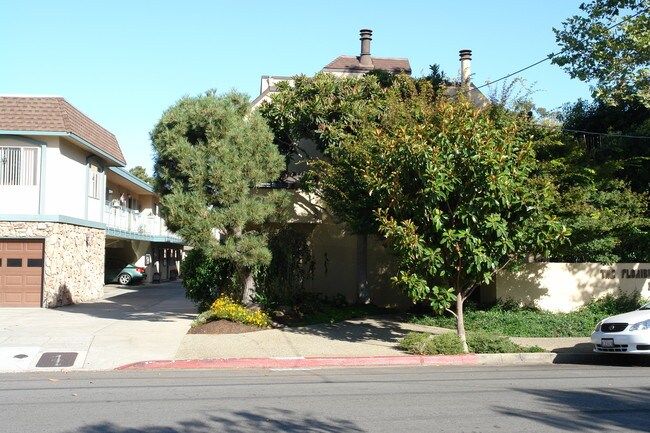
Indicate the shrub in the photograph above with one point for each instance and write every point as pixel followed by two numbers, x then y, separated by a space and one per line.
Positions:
pixel 204 278
pixel 282 282
pixel 612 304
pixel 225 308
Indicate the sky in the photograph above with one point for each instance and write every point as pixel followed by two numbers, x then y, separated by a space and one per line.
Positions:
pixel 124 62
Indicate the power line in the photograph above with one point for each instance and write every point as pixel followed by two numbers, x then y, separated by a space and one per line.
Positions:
pixel 550 56
pixel 604 134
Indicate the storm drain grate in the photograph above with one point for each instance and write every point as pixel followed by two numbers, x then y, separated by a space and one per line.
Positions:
pixel 57 359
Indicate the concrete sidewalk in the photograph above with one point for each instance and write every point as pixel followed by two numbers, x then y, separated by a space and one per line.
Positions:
pixel 146 327
pixel 363 342
pixel 128 325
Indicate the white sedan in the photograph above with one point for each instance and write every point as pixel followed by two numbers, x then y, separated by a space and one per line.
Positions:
pixel 624 333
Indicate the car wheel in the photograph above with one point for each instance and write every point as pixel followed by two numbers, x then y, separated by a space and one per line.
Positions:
pixel 124 279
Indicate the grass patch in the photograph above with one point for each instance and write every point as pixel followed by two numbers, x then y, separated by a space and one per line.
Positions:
pixel 422 343
pixel 518 323
pixel 515 321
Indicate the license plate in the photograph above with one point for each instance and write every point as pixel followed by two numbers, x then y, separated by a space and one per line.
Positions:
pixel 607 342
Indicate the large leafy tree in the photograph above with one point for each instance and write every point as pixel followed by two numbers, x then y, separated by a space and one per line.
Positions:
pixel 211 154
pixel 453 190
pixel 610 45
pixel 335 113
pixel 602 181
pixel 615 139
pixel 459 196
pixel 328 111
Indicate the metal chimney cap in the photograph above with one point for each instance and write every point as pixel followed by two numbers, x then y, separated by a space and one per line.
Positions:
pixel 465 54
pixel 364 58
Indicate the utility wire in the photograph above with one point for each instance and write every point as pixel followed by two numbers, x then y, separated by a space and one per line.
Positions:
pixel 604 134
pixel 550 56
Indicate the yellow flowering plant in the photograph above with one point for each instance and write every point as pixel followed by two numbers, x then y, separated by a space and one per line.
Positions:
pixel 224 307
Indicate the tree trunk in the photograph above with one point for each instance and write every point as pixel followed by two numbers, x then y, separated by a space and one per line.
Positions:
pixel 460 321
pixel 248 282
pixel 363 292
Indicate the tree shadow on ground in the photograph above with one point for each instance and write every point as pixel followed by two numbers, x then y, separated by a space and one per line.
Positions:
pixel 388 329
pixel 583 354
pixel 152 303
pixel 262 420
pixel 600 409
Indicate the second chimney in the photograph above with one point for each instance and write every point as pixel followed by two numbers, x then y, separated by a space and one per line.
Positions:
pixel 465 67
pixel 366 37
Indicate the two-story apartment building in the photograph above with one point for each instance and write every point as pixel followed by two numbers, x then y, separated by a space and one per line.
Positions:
pixel 66 203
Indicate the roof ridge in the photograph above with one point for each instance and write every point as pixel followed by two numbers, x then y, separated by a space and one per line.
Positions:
pixel 69 105
pixel 339 57
pixel 64 115
pixel 353 63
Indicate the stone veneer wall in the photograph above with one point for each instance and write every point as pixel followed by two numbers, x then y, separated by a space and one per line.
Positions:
pixel 73 262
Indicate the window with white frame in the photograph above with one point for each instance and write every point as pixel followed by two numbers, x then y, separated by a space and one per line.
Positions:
pixel 18 166
pixel 94 181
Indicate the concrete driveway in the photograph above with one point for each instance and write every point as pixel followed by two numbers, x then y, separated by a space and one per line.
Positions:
pixel 129 324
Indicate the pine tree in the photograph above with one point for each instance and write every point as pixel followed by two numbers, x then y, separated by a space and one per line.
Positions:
pixel 211 155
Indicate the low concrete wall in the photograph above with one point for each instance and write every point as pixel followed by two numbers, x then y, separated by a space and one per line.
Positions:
pixel 566 286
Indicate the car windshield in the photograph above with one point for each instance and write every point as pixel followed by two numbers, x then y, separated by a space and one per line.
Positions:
pixel 645 307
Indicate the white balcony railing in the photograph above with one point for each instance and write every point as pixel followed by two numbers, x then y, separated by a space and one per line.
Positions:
pixel 133 221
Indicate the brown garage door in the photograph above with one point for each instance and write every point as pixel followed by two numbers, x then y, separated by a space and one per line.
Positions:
pixel 21 272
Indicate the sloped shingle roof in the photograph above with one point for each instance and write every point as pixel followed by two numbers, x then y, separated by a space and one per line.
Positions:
pixel 55 114
pixel 390 64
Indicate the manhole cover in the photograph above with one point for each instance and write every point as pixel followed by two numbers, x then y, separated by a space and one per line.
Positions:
pixel 57 359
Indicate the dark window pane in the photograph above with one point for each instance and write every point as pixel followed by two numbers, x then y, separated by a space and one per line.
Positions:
pixel 34 263
pixel 14 263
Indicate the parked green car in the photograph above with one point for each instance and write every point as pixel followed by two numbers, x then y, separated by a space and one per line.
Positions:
pixel 124 273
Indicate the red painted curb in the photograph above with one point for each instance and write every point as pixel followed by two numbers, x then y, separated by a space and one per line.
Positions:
pixel 311 362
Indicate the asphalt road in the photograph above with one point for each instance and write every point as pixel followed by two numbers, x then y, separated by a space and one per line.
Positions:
pixel 545 398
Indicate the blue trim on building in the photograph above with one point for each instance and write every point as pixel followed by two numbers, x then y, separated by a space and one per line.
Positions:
pixel 131 178
pixel 110 231
pixel 80 140
pixel 21 138
pixel 53 219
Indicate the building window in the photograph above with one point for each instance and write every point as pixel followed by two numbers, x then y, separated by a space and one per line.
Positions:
pixel 18 166
pixel 93 181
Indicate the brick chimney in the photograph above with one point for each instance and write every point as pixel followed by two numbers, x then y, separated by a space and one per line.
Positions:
pixel 366 37
pixel 465 67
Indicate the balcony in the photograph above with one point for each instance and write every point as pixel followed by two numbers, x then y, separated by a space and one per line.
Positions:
pixel 134 224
